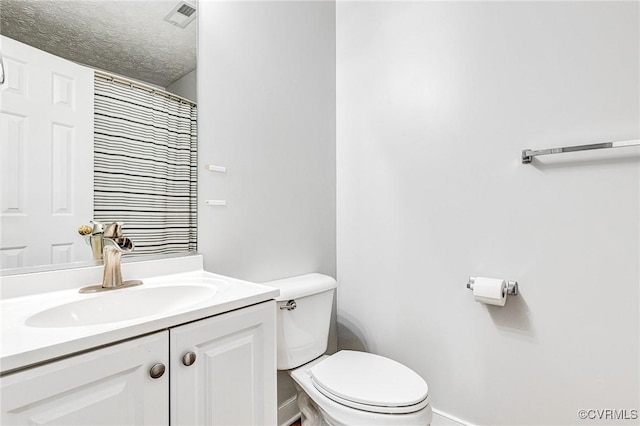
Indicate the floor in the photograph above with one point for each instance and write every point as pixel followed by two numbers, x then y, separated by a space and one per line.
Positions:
pixel 438 420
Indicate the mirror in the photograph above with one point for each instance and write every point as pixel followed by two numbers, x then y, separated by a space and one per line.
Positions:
pixel 150 42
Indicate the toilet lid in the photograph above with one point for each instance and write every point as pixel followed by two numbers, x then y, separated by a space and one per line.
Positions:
pixel 370 382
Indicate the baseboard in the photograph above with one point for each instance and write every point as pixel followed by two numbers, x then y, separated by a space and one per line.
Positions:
pixel 440 418
pixel 288 412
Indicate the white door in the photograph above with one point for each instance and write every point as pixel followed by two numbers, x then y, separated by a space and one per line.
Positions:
pixel 233 378
pixel 46 157
pixel 109 386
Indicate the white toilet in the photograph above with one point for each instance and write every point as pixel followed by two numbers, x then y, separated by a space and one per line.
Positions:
pixel 348 388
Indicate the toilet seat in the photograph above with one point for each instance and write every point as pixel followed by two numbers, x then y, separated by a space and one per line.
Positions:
pixel 370 382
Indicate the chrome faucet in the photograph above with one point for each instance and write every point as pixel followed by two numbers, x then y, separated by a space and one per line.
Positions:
pixel 111 255
pixel 113 245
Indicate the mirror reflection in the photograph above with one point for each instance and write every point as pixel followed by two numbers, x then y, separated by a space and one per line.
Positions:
pixel 97 121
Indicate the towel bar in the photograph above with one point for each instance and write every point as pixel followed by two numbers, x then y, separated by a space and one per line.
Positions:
pixel 528 154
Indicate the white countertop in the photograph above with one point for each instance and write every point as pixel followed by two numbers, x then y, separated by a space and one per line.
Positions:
pixel 23 345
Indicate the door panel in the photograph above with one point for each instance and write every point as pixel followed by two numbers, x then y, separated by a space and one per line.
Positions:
pixel 46 155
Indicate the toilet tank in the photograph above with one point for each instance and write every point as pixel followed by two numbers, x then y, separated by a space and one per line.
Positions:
pixel 303 317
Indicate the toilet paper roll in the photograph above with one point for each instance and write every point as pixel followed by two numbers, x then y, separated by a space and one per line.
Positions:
pixel 492 291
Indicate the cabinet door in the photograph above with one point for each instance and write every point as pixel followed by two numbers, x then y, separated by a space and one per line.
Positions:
pixel 108 386
pixel 233 378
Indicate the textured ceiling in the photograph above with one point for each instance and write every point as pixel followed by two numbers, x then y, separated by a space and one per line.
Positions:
pixel 130 38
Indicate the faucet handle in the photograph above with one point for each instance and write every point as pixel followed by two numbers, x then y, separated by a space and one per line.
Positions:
pixel 98 228
pixel 114 230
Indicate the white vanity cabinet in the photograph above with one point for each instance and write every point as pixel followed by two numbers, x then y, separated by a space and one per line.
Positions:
pixel 231 379
pixel 108 386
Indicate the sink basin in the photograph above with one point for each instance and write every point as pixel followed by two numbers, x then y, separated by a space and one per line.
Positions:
pixel 122 305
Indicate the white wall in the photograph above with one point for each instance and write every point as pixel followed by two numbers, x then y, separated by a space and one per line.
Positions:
pixel 266 91
pixel 185 86
pixel 266 84
pixel 435 101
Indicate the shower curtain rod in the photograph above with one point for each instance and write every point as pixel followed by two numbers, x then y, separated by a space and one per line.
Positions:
pixel 148 88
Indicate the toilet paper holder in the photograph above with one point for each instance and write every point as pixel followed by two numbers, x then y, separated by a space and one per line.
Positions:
pixel 512 286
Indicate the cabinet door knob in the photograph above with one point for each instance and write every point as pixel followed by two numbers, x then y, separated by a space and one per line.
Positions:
pixel 189 358
pixel 157 370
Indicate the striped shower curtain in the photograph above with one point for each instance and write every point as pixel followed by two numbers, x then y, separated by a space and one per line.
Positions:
pixel 145 148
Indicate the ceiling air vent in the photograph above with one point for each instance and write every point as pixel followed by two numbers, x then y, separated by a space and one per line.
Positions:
pixel 182 14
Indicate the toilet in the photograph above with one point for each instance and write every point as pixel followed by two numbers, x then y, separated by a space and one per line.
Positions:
pixel 349 387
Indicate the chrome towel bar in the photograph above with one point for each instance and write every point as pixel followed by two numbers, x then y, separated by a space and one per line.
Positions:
pixel 528 154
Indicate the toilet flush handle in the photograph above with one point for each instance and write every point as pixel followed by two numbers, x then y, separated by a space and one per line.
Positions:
pixel 290 306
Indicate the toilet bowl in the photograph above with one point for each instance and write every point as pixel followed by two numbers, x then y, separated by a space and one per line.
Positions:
pixel 346 388
pixel 354 404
